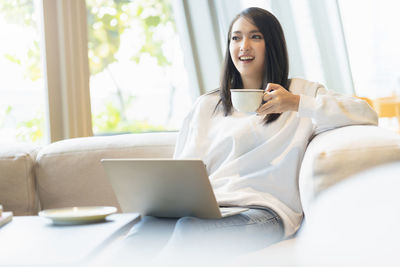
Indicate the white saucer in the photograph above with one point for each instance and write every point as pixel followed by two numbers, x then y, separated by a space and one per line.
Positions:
pixel 78 215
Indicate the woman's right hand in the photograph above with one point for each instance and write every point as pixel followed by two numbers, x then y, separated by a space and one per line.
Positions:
pixel 278 100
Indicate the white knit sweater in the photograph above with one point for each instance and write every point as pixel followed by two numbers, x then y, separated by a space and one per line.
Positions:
pixel 256 165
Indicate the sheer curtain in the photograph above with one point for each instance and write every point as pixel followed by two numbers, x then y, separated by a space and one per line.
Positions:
pixel 202 26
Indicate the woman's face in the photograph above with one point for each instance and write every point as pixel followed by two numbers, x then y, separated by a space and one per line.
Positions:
pixel 247 49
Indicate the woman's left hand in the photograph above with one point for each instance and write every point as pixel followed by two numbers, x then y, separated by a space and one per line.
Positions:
pixel 278 100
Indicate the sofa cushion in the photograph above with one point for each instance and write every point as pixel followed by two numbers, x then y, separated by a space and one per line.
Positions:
pixel 334 155
pixel 69 172
pixel 17 180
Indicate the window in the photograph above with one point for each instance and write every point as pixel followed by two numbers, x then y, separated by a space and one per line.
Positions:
pixel 138 82
pixel 373 44
pixel 21 89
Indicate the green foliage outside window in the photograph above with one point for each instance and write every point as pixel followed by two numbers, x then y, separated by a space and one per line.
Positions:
pixel 109 20
pixel 111 120
pixel 31 130
pixel 3 114
pixel 20 12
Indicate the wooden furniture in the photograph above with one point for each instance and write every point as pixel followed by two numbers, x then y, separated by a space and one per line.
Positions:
pixel 388 109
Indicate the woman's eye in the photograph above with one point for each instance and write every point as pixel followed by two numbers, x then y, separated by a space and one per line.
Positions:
pixel 256 36
pixel 235 38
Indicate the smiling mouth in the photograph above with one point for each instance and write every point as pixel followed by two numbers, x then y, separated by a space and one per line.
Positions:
pixel 246 58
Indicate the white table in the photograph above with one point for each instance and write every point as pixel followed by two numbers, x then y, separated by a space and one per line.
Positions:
pixel 33 240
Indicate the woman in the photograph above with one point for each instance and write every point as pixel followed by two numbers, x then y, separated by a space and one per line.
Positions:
pixel 252 160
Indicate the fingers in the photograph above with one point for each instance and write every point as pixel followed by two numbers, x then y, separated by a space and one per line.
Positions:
pixel 271 90
pixel 272 87
pixel 274 97
pixel 266 108
pixel 267 97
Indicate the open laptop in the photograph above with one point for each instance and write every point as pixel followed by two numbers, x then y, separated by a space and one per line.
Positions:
pixel 165 188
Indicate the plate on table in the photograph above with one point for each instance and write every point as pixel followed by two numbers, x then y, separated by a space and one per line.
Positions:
pixel 78 215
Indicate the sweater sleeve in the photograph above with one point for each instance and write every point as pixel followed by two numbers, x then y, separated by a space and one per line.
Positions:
pixel 330 110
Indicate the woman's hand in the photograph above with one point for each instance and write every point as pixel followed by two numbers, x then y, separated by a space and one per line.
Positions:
pixel 278 100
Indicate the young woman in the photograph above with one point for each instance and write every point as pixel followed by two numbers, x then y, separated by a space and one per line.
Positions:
pixel 253 160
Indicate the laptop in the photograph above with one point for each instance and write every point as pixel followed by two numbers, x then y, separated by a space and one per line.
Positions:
pixel 165 188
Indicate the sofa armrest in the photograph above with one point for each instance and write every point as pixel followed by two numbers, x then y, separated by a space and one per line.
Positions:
pixel 17 179
pixel 69 172
pixel 354 223
pixel 334 155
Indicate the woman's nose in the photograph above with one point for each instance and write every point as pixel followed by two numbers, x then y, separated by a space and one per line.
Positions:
pixel 244 46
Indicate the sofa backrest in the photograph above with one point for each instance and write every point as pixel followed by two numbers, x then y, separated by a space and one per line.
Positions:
pixel 69 172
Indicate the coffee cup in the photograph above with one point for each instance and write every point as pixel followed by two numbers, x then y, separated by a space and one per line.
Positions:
pixel 247 100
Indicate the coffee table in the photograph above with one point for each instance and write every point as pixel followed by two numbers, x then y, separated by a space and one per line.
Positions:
pixel 33 240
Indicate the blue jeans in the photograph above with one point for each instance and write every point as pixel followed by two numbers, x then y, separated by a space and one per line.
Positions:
pixel 250 230
pixel 184 239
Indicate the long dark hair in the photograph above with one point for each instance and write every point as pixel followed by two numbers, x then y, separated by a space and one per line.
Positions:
pixel 276 63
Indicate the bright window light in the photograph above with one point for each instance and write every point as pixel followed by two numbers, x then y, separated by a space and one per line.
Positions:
pixel 371 31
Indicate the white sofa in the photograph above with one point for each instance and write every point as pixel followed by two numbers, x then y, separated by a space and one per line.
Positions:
pixel 349 184
pixel 69 173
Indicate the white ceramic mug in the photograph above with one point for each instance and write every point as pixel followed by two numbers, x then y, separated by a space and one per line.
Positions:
pixel 247 100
